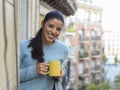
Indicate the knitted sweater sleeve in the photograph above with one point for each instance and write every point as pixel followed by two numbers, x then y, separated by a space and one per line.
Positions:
pixel 26 72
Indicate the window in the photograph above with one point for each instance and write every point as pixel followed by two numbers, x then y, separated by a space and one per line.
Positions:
pixel 80 68
pixel 93 17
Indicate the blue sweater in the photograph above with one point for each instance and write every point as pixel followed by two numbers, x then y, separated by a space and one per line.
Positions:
pixel 29 79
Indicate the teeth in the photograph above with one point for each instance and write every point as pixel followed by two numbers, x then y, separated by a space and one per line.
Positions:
pixel 51 36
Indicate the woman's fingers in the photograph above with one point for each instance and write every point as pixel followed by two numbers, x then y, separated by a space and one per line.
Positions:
pixel 61 74
pixel 42 68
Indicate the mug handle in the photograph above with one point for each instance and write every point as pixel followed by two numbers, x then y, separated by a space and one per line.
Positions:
pixel 48 71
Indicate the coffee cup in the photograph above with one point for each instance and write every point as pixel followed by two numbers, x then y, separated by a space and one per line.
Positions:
pixel 54 68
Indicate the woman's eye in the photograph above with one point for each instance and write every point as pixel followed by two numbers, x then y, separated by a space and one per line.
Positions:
pixel 59 29
pixel 51 26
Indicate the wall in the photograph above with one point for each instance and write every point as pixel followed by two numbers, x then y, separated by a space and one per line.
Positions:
pixel 29 18
pixel 8 45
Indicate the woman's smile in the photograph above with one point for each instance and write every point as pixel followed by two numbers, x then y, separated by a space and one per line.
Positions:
pixel 51 35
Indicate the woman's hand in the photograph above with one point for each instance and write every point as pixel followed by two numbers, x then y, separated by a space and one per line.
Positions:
pixel 61 74
pixel 42 68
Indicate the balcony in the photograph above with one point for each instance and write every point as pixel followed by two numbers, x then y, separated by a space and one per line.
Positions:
pixel 86 81
pixel 84 73
pixel 70 31
pixel 86 70
pixel 96 38
pixel 96 69
pixel 63 6
pixel 95 53
pixel 96 77
pixel 84 39
pixel 84 54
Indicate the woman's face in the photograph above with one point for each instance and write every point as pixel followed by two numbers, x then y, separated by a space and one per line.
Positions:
pixel 51 30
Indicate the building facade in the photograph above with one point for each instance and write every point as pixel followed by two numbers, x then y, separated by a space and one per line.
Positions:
pixel 9 37
pixel 88 31
pixel 111 44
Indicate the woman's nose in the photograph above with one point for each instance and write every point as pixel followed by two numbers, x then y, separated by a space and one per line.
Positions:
pixel 54 30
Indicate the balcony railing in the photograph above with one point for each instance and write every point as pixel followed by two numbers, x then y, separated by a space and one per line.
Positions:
pixel 84 54
pixel 96 37
pixel 85 72
pixel 96 69
pixel 95 53
pixel 82 38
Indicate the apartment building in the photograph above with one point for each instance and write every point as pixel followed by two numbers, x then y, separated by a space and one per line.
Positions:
pixel 88 32
pixel 111 44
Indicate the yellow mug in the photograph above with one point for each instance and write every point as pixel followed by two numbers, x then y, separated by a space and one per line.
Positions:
pixel 54 68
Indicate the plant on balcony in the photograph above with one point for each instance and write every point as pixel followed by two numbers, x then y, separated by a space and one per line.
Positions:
pixel 104 59
pixel 70 27
pixel 91 87
pixel 117 81
pixel 116 59
pixel 104 86
pixel 71 87
pixel 101 86
pixel 86 54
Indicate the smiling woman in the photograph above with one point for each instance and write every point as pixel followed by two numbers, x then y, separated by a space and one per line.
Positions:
pixel 51 31
pixel 37 52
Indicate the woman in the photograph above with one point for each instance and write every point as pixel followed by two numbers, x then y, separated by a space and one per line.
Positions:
pixel 37 52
